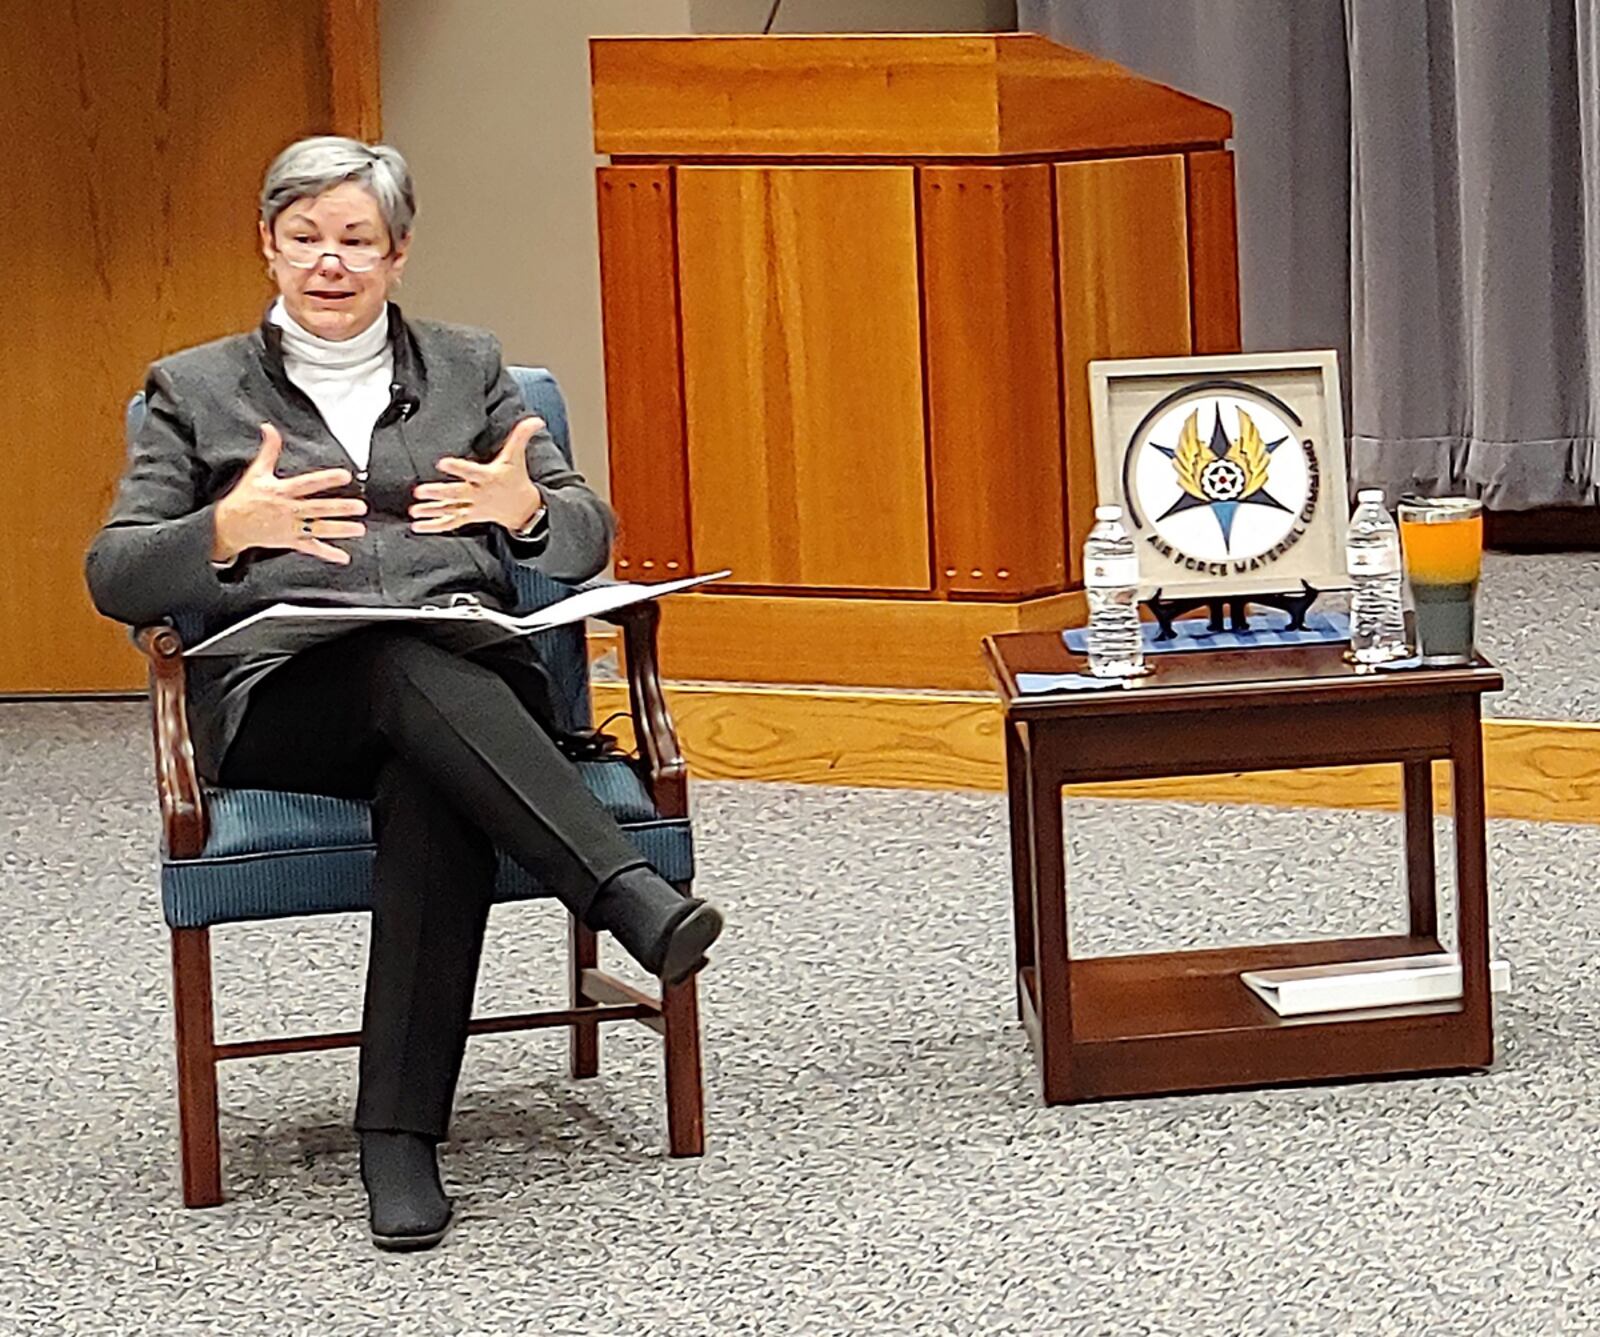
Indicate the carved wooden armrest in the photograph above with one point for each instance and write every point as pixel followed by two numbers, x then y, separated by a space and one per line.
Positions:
pixel 183 808
pixel 652 724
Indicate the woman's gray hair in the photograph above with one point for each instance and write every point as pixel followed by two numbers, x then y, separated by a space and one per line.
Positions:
pixel 310 166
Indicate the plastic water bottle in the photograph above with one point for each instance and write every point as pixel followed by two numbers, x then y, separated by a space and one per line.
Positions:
pixel 1111 580
pixel 1372 557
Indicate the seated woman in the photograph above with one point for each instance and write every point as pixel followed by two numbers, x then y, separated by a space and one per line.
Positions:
pixel 341 453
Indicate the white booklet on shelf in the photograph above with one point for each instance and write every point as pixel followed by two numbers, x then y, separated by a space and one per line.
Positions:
pixel 462 626
pixel 1354 986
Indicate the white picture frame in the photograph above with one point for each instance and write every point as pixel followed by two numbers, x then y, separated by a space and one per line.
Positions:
pixel 1229 468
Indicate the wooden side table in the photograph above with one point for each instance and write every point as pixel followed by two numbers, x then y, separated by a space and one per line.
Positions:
pixel 1183 1021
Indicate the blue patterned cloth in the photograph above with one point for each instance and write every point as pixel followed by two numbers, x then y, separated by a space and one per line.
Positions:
pixel 1192 633
pixel 272 854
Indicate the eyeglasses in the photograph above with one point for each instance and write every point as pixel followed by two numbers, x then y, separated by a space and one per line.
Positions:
pixel 357 258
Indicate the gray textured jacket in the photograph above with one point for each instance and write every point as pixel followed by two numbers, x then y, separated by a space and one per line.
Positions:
pixel 205 406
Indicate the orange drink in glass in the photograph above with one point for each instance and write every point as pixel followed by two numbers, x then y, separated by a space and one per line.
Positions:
pixel 1442 538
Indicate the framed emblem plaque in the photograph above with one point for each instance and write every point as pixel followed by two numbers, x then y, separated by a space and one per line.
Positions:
pixel 1229 469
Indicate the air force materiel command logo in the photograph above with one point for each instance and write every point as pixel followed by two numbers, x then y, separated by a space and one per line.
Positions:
pixel 1219 480
pixel 1229 468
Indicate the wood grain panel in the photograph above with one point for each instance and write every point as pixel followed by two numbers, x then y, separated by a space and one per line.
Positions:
pixel 1059 100
pixel 1124 276
pixel 127 229
pixel 350 35
pixel 1536 770
pixel 1213 252
pixel 822 736
pixel 1540 770
pixel 767 95
pixel 936 95
pixel 644 371
pixel 803 375
pixel 874 642
pixel 993 369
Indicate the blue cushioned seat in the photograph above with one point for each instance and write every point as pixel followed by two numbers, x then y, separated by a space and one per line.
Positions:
pixel 271 854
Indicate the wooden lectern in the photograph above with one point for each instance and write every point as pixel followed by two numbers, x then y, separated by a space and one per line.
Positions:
pixel 850 288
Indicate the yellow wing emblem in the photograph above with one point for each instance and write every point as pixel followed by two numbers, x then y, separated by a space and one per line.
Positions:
pixel 1249 452
pixel 1191 457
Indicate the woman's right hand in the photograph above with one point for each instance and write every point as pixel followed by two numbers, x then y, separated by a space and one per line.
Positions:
pixel 265 511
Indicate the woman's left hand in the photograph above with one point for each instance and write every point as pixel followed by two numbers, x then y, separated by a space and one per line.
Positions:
pixel 499 492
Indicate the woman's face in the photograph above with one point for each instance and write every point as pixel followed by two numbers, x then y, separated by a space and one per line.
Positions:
pixel 330 299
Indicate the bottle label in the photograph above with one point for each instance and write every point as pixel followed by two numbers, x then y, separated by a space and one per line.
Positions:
pixel 1372 562
pixel 1111 573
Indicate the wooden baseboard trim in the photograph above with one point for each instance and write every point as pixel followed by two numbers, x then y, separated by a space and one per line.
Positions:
pixel 1547 529
pixel 1537 770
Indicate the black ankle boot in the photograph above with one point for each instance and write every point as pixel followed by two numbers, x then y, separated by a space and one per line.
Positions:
pixel 407 1205
pixel 665 932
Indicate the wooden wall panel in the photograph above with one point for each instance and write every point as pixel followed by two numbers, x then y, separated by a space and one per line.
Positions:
pixel 993 368
pixel 803 375
pixel 350 35
pixel 128 190
pixel 1124 248
pixel 1213 252
pixel 644 371
pixel 846 640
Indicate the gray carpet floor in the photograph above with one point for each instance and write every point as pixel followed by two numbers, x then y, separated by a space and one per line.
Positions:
pixel 1540 621
pixel 878 1160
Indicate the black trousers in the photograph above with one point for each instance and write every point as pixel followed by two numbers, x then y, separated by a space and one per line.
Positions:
pixel 452 755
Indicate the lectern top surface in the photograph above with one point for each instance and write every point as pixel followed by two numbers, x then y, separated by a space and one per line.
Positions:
pixel 881 96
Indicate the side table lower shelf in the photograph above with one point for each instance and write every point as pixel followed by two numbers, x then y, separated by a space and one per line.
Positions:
pixel 1183 1021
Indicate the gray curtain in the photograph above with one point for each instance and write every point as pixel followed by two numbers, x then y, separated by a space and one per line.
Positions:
pixel 1419 186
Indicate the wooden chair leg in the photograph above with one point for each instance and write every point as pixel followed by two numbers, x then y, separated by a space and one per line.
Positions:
pixel 686 1118
pixel 197 1067
pixel 583 953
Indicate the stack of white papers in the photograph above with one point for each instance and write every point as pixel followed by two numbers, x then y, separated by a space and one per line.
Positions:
pixel 462 626
pixel 1352 986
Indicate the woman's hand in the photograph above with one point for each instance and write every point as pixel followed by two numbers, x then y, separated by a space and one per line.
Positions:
pixel 265 511
pixel 499 492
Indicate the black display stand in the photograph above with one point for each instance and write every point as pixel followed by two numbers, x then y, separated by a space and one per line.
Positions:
pixel 1230 612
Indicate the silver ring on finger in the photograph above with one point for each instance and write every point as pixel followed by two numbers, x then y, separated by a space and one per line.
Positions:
pixel 305 527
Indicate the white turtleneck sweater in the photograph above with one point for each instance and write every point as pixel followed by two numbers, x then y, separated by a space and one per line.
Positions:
pixel 347 379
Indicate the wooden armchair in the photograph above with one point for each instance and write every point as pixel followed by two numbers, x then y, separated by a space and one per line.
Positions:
pixel 234 855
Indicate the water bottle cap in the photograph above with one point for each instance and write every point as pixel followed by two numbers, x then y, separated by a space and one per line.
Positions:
pixel 1373 494
pixel 1108 512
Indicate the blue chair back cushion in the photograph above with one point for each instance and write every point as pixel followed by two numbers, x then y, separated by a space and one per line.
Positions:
pixel 271 854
